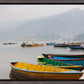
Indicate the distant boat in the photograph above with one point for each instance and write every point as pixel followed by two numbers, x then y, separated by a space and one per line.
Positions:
pixel 60 64
pixel 66 45
pixel 64 55
pixel 25 45
pixel 60 45
pixel 51 43
pixel 77 47
pixel 10 43
pixel 27 71
pixel 31 45
pixel 76 61
pixel 36 45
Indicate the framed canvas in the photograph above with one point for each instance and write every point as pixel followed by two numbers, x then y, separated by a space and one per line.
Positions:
pixel 38 22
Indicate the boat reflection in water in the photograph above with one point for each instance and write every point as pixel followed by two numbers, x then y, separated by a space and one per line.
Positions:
pixel 12 76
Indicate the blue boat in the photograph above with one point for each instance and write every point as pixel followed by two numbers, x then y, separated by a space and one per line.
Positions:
pixel 76 47
pixel 51 43
pixel 66 45
pixel 60 45
pixel 76 61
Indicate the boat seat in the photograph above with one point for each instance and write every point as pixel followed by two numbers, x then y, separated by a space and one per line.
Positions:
pixel 56 62
pixel 52 62
pixel 49 61
pixel 43 63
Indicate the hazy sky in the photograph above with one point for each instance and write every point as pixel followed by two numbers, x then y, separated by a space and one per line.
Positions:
pixel 26 12
pixel 9 14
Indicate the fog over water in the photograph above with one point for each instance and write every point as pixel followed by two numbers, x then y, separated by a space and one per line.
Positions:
pixel 27 54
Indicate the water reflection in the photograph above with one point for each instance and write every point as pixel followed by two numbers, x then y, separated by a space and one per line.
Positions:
pixel 13 76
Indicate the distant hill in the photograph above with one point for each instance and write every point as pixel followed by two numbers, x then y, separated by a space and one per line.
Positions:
pixel 64 26
pixel 79 37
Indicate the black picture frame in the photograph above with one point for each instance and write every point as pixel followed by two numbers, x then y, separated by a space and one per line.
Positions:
pixel 42 1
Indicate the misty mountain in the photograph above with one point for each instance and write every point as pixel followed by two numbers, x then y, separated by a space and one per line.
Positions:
pixel 65 25
pixel 79 37
pixel 8 25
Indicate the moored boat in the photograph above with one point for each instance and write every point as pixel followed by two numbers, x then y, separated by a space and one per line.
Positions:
pixel 31 45
pixel 36 45
pixel 25 45
pixel 64 55
pixel 66 45
pixel 60 45
pixel 51 43
pixel 76 61
pixel 60 64
pixel 10 43
pixel 77 47
pixel 39 72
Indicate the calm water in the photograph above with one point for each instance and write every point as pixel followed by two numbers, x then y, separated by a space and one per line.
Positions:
pixel 27 54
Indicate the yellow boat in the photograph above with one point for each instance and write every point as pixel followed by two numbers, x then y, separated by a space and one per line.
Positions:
pixel 27 71
pixel 31 45
pixel 36 45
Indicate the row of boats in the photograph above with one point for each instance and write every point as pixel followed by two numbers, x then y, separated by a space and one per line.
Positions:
pixel 10 43
pixel 31 45
pixel 73 45
pixel 50 68
pixel 70 45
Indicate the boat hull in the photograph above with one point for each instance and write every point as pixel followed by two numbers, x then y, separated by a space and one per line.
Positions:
pixel 31 45
pixel 26 71
pixel 64 55
pixel 60 45
pixel 45 76
pixel 71 61
pixel 38 45
pixel 66 45
pixel 77 47
pixel 78 62
pixel 52 43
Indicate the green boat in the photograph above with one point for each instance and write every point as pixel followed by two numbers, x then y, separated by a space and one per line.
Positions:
pixel 50 62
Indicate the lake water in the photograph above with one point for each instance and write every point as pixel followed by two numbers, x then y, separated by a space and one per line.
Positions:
pixel 27 54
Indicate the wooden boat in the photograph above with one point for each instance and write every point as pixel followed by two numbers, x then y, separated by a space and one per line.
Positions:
pixel 50 62
pixel 60 45
pixel 66 45
pixel 25 45
pixel 51 43
pixel 36 45
pixel 73 44
pixel 27 71
pixel 76 61
pixel 31 45
pixel 64 55
pixel 77 47
pixel 10 43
